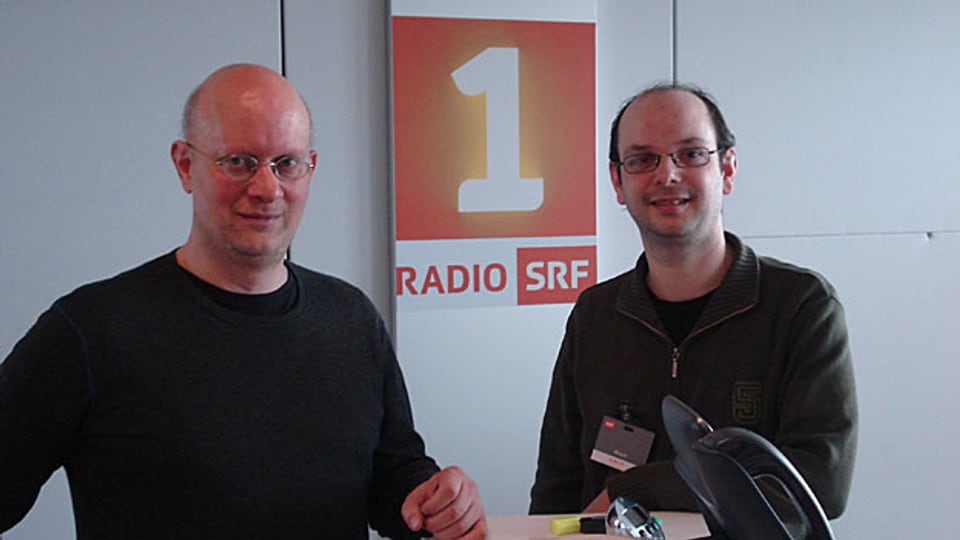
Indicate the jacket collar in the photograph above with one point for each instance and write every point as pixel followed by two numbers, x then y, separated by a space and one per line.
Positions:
pixel 739 290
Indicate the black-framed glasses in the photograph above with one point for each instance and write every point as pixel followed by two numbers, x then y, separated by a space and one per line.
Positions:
pixel 241 167
pixel 684 158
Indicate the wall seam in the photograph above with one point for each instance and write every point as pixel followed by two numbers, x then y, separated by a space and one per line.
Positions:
pixel 674 43
pixel 283 39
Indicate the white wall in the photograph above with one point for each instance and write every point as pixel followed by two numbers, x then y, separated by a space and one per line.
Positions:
pixel 846 115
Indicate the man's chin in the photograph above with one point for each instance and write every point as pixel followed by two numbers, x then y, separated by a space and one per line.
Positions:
pixel 677 231
pixel 261 255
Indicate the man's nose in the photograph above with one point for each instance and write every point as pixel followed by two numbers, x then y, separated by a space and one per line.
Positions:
pixel 667 172
pixel 264 183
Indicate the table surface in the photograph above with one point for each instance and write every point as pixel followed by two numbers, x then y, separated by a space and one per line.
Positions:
pixel 676 526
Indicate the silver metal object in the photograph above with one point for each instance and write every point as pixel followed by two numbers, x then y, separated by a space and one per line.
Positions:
pixel 627 518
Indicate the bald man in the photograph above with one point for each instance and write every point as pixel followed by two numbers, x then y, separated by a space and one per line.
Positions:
pixel 219 390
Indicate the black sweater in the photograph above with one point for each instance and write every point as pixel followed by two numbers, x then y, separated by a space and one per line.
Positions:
pixel 175 417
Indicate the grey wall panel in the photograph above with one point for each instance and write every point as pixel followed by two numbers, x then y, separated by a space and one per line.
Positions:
pixel 846 112
pixel 846 123
pixel 92 93
pixel 337 57
pixel 900 293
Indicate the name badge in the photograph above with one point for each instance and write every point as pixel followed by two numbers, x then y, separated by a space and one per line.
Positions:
pixel 620 445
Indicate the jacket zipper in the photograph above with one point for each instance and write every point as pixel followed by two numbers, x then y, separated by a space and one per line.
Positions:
pixel 675 354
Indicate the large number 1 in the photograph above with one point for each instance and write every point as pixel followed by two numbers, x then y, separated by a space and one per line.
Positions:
pixel 495 71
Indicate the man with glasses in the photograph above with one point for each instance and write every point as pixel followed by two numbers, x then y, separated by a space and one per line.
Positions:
pixel 745 340
pixel 221 391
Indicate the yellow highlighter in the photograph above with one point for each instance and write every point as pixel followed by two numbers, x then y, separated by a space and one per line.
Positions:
pixel 576 524
pixel 565 525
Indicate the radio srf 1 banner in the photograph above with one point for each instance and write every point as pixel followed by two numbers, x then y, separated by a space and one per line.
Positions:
pixel 494 161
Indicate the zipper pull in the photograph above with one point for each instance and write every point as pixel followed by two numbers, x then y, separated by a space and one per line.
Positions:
pixel 676 362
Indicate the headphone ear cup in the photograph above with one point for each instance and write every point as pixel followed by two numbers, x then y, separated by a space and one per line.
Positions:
pixel 733 463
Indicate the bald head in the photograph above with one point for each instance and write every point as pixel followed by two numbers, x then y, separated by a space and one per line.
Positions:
pixel 724 137
pixel 236 88
pixel 242 228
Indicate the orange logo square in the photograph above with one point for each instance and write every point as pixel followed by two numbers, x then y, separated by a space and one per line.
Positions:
pixel 494 128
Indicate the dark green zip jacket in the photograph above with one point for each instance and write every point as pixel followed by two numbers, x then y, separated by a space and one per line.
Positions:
pixel 769 353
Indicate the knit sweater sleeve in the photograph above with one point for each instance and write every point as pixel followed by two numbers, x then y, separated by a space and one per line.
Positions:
pixel 44 397
pixel 654 485
pixel 400 460
pixel 558 486
pixel 818 404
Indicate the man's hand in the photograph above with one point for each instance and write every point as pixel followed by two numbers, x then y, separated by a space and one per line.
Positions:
pixel 448 505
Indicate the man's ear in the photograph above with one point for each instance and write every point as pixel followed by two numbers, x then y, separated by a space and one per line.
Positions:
pixel 313 159
pixel 181 156
pixel 728 169
pixel 617 182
